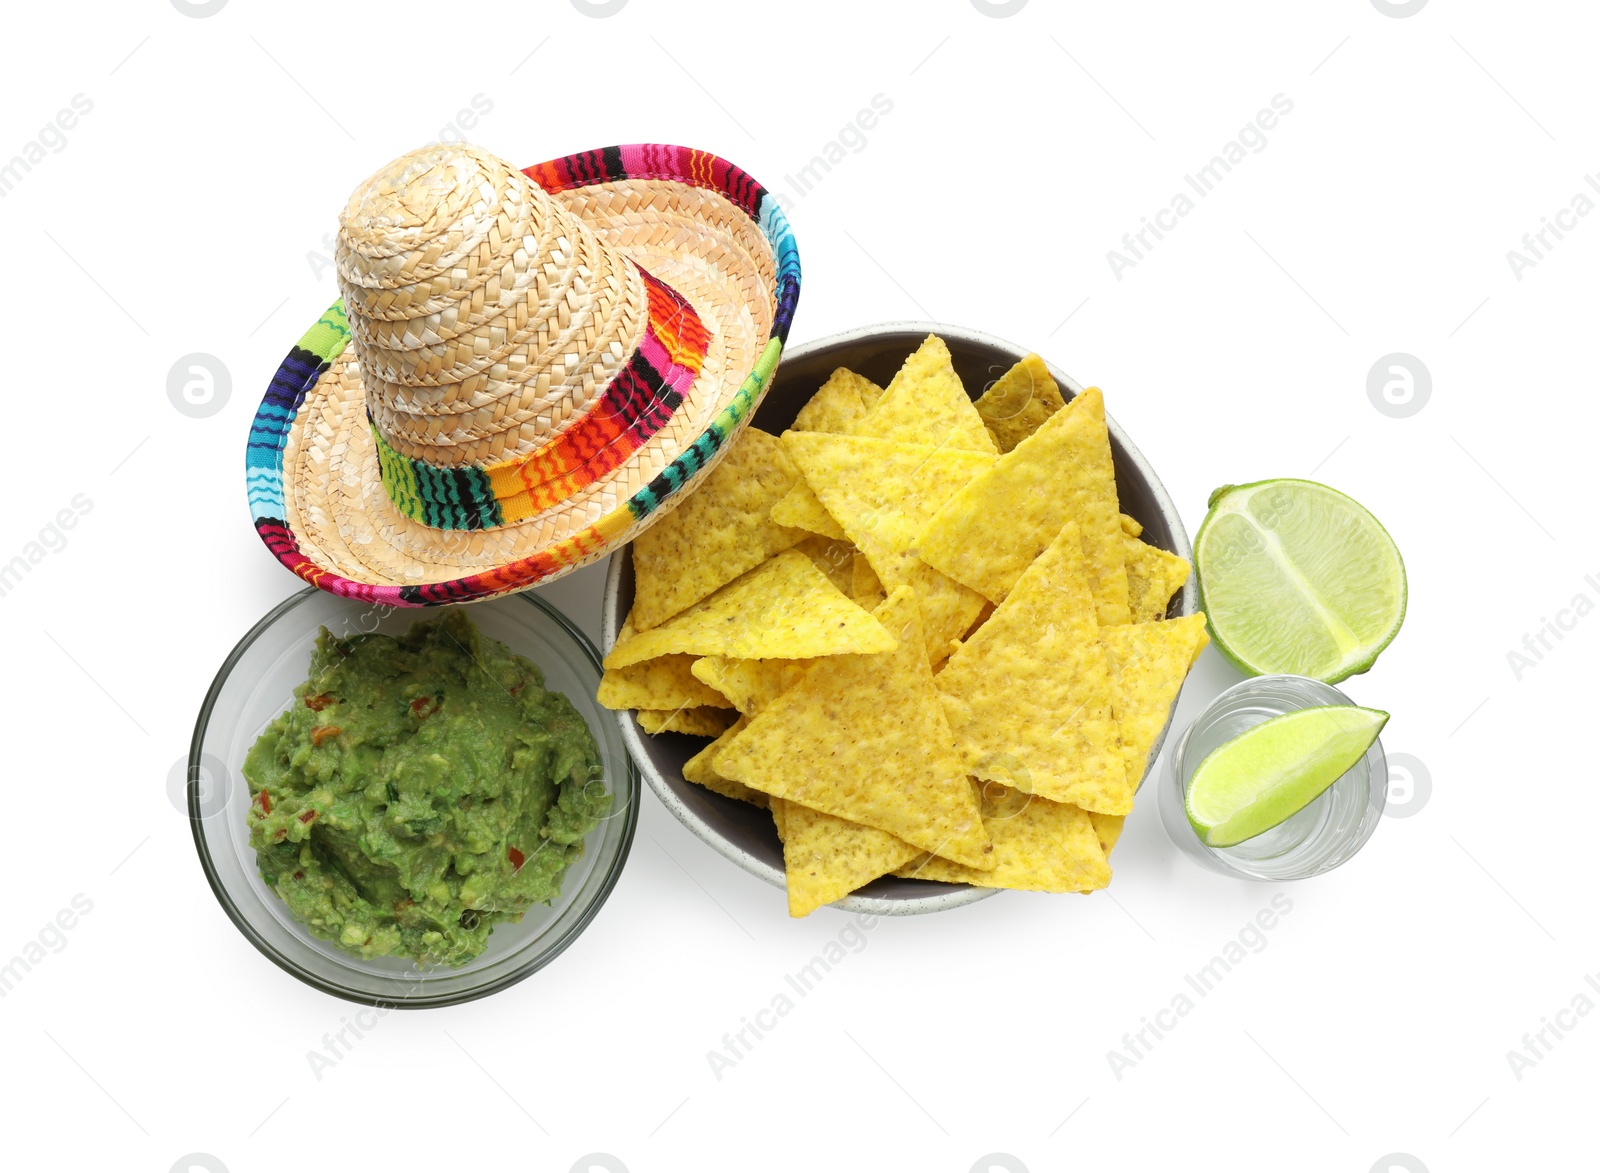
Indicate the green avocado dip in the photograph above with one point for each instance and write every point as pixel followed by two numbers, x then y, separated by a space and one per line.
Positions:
pixel 421 790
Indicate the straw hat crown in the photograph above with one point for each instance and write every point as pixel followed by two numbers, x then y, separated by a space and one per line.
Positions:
pixel 525 368
pixel 486 318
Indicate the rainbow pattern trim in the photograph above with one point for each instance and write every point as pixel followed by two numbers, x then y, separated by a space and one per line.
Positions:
pixel 327 339
pixel 634 407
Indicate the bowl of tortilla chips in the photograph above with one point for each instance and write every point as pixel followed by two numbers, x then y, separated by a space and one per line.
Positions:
pixel 919 634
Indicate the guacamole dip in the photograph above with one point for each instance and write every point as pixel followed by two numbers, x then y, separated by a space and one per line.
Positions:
pixel 421 790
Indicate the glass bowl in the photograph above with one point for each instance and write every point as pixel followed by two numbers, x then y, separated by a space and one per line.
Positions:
pixel 743 833
pixel 257 682
pixel 1319 837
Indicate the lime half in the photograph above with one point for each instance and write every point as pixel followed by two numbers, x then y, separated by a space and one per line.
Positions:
pixel 1275 769
pixel 1297 578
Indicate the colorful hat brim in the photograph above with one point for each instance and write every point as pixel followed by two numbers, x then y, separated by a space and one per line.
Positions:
pixel 321 345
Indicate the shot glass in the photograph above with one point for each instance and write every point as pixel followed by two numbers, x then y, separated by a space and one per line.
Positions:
pixel 1316 839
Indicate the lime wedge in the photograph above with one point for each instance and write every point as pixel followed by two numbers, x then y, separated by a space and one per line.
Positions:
pixel 1297 578
pixel 1275 769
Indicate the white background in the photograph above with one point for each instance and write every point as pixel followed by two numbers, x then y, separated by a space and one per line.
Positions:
pixel 179 217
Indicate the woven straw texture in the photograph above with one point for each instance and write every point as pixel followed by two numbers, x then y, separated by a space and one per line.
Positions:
pixel 482 316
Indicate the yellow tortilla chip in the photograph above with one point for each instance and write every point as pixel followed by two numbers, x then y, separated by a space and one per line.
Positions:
pixel 776 805
pixel 834 558
pixel 983 616
pixel 800 509
pixel 925 404
pixel 838 404
pixel 1108 829
pixel 721 530
pixel 864 737
pixel 785 607
pixel 987 534
pixel 749 685
pixel 698 722
pixel 882 492
pixel 1039 846
pixel 701 772
pixel 826 858
pixel 1148 663
pixel 1131 526
pixel 864 582
pixel 1154 576
pixel 667 682
pixel 1019 402
pixel 1028 697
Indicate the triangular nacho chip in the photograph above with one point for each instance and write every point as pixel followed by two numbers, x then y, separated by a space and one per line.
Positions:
pixel 1108 828
pixel 700 771
pixel 834 558
pixel 721 530
pixel 838 404
pixel 837 407
pixel 1131 526
pixel 925 404
pixel 784 608
pixel 1154 576
pixel 882 492
pixel 801 510
pixel 1148 663
pixel 1028 696
pixel 992 530
pixel 826 858
pixel 666 682
pixel 1018 402
pixel 864 738
pixel 697 722
pixel 1039 846
pixel 864 583
pixel 750 685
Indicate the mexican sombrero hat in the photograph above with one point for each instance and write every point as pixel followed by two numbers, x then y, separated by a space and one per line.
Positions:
pixel 525 368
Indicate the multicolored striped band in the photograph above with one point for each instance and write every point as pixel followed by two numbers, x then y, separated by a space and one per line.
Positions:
pixel 317 349
pixel 634 407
